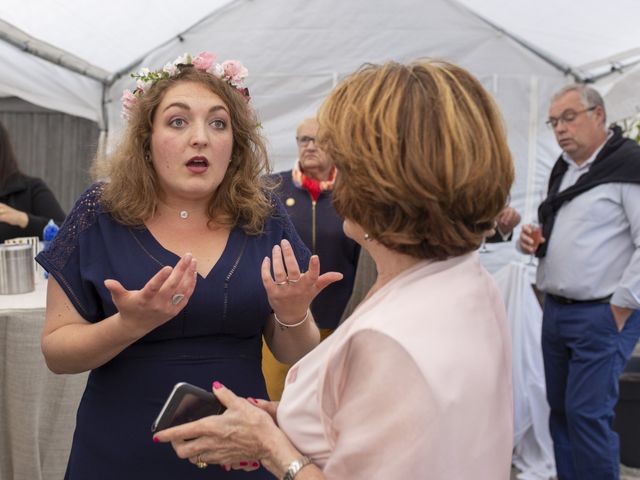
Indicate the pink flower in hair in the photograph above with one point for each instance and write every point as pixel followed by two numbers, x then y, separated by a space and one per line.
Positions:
pixel 235 71
pixel 204 61
pixel 129 101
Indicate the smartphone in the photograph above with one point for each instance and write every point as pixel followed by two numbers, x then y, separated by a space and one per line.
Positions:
pixel 186 403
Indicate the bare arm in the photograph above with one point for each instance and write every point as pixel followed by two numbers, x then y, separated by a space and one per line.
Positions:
pixel 71 344
pixel 290 293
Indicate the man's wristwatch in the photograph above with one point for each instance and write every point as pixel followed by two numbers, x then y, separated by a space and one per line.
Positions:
pixel 295 467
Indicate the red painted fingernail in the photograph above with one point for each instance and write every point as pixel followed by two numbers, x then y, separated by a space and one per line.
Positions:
pixel 253 400
pixel 217 385
pixel 255 464
pixel 155 439
pixel 243 464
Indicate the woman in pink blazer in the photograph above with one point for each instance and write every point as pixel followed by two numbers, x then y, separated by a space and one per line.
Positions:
pixel 417 382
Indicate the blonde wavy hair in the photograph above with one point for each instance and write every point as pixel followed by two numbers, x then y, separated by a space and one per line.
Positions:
pixel 422 154
pixel 131 192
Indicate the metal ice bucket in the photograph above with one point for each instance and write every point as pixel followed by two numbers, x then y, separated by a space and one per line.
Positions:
pixel 16 269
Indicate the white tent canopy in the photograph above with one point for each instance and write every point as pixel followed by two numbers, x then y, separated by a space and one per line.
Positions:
pixel 74 56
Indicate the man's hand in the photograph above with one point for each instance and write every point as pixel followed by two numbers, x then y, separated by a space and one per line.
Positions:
pixel 507 220
pixel 620 315
pixel 528 243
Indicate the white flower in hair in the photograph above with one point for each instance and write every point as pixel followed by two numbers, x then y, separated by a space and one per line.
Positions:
pixel 184 59
pixel 143 85
pixel 171 69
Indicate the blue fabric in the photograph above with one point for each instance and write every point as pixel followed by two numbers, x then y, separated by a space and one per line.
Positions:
pixel 584 355
pixel 217 336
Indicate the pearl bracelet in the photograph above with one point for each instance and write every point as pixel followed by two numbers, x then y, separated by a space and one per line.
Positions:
pixel 284 326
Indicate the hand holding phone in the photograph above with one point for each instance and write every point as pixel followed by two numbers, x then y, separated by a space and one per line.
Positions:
pixel 186 403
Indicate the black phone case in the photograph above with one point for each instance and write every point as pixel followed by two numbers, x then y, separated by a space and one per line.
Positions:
pixel 186 403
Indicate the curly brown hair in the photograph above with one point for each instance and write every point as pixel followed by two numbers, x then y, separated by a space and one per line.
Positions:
pixel 131 192
pixel 422 154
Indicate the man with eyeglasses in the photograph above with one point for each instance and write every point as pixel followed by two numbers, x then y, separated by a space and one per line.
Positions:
pixel 305 191
pixel 589 270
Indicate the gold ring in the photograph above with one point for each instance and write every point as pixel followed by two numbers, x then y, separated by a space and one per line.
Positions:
pixel 177 298
pixel 282 283
pixel 200 463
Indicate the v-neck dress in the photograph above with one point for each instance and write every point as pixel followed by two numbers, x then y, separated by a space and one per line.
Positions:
pixel 217 336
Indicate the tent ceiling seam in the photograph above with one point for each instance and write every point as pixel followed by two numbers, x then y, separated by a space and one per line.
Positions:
pixel 563 67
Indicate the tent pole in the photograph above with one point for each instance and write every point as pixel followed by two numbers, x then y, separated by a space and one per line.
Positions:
pixel 45 51
pixel 532 195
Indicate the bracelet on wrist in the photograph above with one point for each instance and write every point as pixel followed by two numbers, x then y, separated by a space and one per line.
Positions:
pixel 284 326
pixel 295 466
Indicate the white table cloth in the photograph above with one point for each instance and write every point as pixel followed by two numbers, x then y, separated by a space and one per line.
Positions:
pixel 37 407
pixel 533 452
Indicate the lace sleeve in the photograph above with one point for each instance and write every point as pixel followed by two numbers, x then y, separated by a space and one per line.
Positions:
pixel 81 217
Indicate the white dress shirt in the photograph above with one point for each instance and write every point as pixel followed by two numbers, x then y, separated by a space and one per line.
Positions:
pixel 594 250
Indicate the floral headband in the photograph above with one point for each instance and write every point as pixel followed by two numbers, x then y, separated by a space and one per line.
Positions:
pixel 231 71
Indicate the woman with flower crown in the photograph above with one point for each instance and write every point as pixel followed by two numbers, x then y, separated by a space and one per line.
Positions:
pixel 163 273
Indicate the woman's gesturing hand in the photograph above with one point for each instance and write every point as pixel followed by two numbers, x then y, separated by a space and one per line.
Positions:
pixel 161 299
pixel 290 291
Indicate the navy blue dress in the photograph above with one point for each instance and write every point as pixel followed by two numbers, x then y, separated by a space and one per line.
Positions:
pixel 217 336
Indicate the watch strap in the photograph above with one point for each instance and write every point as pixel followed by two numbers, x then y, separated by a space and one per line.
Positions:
pixel 295 466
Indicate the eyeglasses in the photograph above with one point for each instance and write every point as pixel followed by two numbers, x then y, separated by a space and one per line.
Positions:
pixel 567 116
pixel 304 141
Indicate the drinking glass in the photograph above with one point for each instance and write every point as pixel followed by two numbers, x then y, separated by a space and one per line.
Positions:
pixel 536 235
pixel 483 246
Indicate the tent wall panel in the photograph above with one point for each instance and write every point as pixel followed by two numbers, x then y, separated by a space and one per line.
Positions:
pixel 54 146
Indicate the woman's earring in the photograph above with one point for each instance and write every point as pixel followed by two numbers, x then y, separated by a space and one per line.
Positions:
pixel 367 237
pixel 147 157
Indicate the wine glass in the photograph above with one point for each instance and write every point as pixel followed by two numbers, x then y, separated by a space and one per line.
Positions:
pixel 483 246
pixel 536 236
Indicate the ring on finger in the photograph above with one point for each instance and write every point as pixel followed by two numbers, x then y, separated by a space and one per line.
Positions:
pixel 284 282
pixel 177 298
pixel 296 280
pixel 201 463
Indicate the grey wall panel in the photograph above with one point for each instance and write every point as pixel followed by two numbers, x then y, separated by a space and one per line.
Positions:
pixel 54 146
